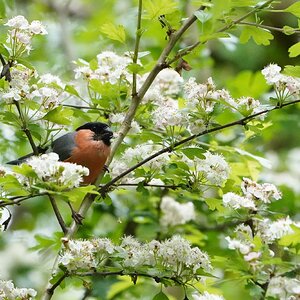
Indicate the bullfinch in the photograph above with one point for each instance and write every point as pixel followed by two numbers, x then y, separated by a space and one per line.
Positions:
pixel 88 146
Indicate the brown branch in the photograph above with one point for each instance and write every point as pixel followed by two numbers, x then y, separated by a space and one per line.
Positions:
pixel 271 28
pixel 50 291
pixel 18 200
pixel 58 214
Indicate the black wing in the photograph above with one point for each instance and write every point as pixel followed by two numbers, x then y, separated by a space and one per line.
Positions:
pixel 64 145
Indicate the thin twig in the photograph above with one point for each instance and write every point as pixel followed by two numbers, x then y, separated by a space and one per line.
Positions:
pixel 86 107
pixel 271 28
pixel 58 214
pixel 137 45
pixel 25 129
pixel 190 48
pixel 50 291
pixel 18 200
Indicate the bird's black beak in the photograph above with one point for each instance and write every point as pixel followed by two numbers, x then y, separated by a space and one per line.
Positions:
pixel 106 135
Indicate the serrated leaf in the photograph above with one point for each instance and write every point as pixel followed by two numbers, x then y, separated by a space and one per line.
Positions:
pixel 160 296
pixel 294 50
pixel 114 32
pixel 202 16
pixel 292 71
pixel 259 35
pixel 59 115
pixel 294 9
pixel 292 239
pixel 191 152
pixel 155 8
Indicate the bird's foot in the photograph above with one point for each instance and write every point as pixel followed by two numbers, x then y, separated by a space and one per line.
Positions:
pixel 105 168
pixel 77 217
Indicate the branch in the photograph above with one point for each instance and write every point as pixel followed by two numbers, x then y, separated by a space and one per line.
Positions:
pixel 50 291
pixel 272 28
pixel 25 129
pixel 18 200
pixel 58 214
pixel 137 45
pixel 190 48
pixel 86 107
pixel 241 122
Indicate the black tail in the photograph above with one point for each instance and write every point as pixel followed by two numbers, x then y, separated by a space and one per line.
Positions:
pixel 20 160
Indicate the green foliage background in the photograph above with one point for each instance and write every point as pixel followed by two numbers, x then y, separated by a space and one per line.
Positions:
pixel 76 30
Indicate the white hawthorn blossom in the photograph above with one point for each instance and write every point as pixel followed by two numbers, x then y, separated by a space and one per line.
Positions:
pixel 235 201
pixel 264 192
pixel 175 255
pixel 271 231
pixel 9 291
pixel 280 81
pixel 21 33
pixel 175 213
pixel 112 68
pixel 243 247
pixel 284 288
pixel 48 168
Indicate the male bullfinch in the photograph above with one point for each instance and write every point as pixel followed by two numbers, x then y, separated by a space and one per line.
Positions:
pixel 88 146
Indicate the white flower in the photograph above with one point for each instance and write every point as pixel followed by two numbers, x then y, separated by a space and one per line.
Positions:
pixel 18 22
pixel 175 213
pixel 275 230
pixel 243 246
pixel 169 82
pixel 49 79
pixel 252 256
pixel 49 169
pixel 215 167
pixel 235 201
pixel 272 73
pixel 83 71
pixel 9 291
pixel 206 296
pixel 284 288
pixel 262 192
pixel 36 27
pixel 168 114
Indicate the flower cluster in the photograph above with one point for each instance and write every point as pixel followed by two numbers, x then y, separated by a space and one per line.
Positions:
pixel 9 291
pixel 19 37
pixel 281 82
pixel 174 257
pixel 175 213
pixel 284 288
pixel 133 155
pixel 46 90
pixel 213 168
pixel 111 68
pixel 254 195
pixel 49 169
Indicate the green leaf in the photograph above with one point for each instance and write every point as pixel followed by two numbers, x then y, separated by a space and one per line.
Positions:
pixel 4 51
pixel 292 239
pixel 292 71
pixel 160 296
pixel 114 32
pixel 59 115
pixel 216 35
pixel 79 193
pixel 294 50
pixel 192 152
pixel 71 90
pixel 243 3
pixel 288 30
pixel 259 35
pixel 294 9
pixel 214 204
pixel 155 8
pixel 135 68
pixel 25 63
pixel 2 9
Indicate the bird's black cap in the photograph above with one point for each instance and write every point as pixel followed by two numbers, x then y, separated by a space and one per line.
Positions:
pixel 102 131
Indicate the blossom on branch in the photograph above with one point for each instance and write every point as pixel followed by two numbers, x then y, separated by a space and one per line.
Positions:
pixel 9 291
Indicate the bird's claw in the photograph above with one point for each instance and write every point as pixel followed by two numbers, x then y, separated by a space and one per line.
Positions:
pixel 105 168
pixel 77 217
